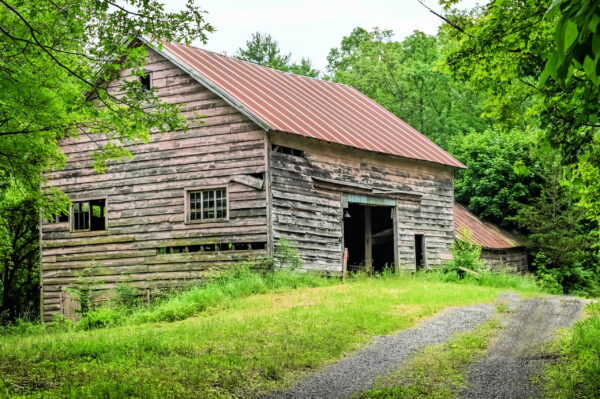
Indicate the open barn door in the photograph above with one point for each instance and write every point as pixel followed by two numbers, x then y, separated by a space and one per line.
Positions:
pixel 369 233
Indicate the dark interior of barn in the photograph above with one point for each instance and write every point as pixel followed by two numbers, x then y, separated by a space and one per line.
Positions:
pixel 369 234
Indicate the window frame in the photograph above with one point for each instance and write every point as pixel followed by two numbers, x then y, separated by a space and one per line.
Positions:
pixel 187 210
pixel 89 230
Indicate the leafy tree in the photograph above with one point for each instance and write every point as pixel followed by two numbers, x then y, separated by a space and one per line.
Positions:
pixel 403 77
pixel 560 235
pixel 531 64
pixel 490 186
pixel 56 58
pixel 264 50
pixel 19 255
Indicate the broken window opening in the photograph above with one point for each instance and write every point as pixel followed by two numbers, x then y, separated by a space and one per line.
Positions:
pixel 146 81
pixel 287 150
pixel 56 218
pixel 89 215
pixel 241 246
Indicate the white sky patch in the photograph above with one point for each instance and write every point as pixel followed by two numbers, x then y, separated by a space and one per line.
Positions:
pixel 310 28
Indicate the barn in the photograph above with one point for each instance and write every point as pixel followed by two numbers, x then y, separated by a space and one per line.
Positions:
pixel 500 250
pixel 275 155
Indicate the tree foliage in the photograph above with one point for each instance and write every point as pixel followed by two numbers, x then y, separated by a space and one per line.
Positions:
pixel 559 233
pixel 404 78
pixel 56 57
pixel 491 186
pixel 264 50
pixel 508 50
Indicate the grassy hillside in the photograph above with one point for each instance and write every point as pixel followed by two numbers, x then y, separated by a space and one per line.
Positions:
pixel 234 337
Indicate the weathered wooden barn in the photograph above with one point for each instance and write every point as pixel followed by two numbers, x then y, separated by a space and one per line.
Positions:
pixel 500 250
pixel 276 155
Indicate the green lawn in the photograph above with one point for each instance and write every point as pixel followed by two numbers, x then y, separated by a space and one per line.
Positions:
pixel 236 345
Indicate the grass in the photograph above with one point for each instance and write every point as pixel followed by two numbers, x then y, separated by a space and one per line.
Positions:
pixel 437 370
pixel 237 336
pixel 576 374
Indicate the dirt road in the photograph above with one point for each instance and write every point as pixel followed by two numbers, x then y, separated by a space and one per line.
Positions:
pixel 507 368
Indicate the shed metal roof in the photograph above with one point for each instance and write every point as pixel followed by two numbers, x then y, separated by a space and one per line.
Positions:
pixel 485 234
pixel 305 106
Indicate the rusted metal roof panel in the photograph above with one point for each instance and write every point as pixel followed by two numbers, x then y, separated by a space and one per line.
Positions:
pixel 485 234
pixel 306 106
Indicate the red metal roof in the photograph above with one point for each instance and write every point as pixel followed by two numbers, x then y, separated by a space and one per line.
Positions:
pixel 306 106
pixel 485 234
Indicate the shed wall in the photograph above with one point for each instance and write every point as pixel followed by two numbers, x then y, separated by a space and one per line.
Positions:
pixel 145 197
pixel 512 259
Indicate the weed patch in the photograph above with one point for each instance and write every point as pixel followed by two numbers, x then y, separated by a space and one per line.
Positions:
pixel 576 372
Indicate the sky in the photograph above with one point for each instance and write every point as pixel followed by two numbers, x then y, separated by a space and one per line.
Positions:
pixel 310 28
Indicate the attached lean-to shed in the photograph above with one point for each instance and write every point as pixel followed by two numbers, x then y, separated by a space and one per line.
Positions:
pixel 500 250
pixel 275 156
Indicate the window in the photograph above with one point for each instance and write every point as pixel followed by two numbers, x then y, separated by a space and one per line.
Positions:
pixel 89 215
pixel 62 218
pixel 287 150
pixel 146 81
pixel 207 204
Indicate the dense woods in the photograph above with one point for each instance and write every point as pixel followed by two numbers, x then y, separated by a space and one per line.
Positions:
pixel 509 88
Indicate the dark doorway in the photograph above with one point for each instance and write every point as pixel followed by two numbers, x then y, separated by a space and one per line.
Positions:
pixel 382 234
pixel 354 235
pixel 419 251
pixel 369 237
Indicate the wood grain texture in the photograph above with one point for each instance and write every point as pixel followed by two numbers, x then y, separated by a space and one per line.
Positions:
pixel 145 197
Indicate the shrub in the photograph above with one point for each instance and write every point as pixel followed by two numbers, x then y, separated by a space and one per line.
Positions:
pixel 465 254
pixel 286 256
pixel 84 290
pixel 127 295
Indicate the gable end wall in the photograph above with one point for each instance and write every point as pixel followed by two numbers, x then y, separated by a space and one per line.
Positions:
pixel 145 198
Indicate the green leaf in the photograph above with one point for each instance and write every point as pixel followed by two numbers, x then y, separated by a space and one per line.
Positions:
pixel 570 33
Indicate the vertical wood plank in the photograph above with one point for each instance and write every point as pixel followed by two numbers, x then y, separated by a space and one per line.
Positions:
pixel 368 240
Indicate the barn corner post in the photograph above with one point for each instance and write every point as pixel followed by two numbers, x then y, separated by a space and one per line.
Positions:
pixel 269 195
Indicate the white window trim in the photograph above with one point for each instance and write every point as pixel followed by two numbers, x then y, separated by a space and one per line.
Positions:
pixel 186 202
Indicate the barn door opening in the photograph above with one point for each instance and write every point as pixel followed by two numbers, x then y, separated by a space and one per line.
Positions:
pixel 419 251
pixel 369 237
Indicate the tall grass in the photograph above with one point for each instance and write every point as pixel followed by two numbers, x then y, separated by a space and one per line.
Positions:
pixel 577 373
pixel 222 340
pixel 524 284
pixel 221 291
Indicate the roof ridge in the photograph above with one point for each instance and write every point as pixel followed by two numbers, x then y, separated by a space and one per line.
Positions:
pixel 267 67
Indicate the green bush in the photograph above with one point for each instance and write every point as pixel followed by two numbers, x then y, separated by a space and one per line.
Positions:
pixel 84 291
pixel 127 295
pixel 287 256
pixel 465 254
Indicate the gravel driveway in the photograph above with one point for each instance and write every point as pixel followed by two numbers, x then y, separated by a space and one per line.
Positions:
pixel 504 372
pixel 358 372
pixel 507 368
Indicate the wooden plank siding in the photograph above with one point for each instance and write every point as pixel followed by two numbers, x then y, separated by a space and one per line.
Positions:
pixel 311 217
pixel 145 197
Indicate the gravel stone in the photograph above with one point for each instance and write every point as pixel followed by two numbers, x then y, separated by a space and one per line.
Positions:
pixel 506 370
pixel 359 372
